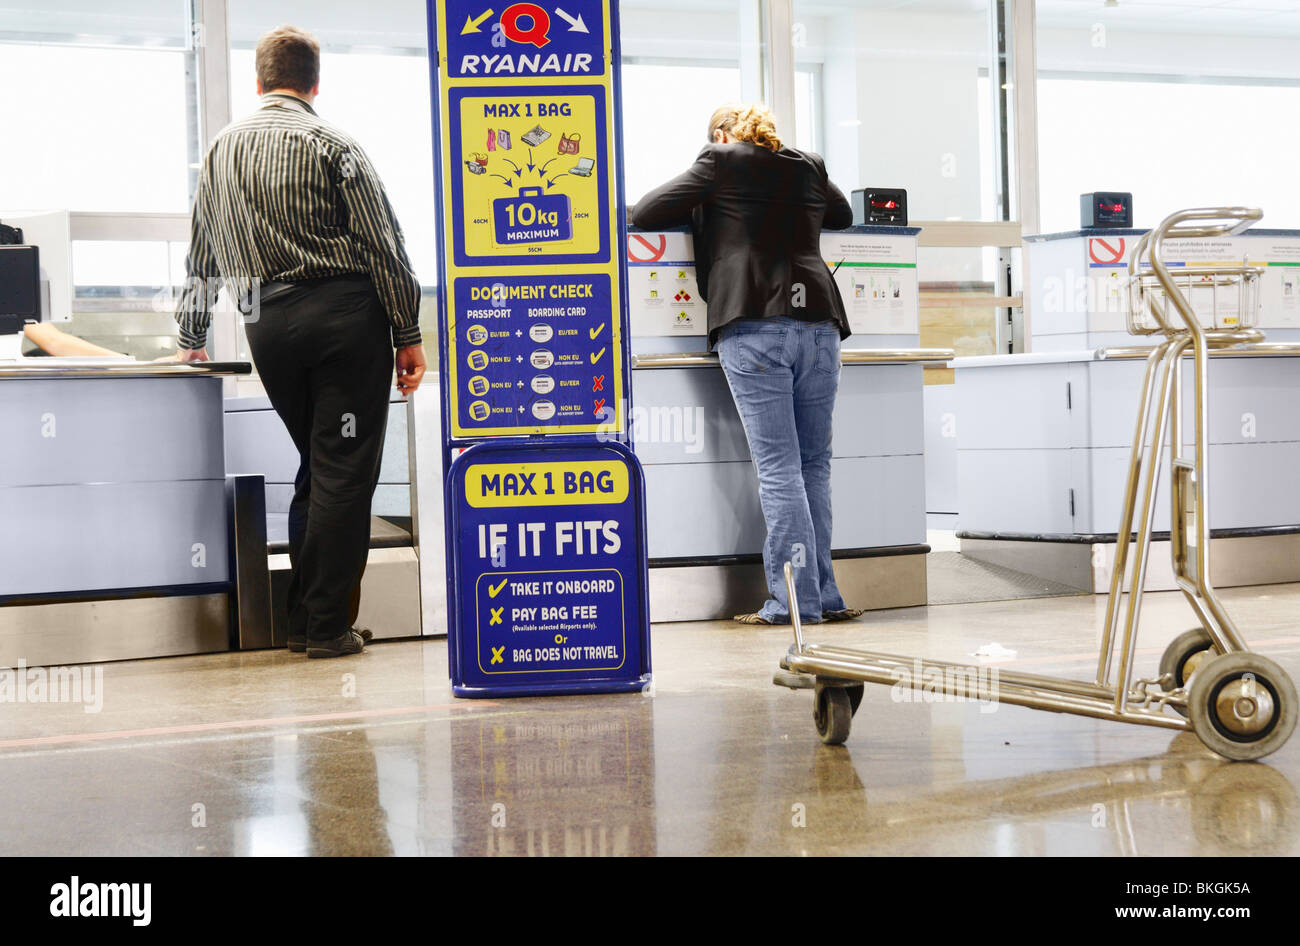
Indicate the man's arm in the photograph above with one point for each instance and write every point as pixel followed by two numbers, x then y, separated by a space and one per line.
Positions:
pixel 670 204
pixel 194 308
pixel 373 227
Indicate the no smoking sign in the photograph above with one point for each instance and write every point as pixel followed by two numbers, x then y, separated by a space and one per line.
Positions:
pixel 1106 251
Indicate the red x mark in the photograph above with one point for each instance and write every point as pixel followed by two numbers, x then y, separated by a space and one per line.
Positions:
pixel 600 403
pixel 598 383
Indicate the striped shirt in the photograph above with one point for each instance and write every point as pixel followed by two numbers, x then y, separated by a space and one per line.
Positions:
pixel 282 197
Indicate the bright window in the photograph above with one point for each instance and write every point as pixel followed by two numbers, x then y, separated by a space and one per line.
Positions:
pixel 660 142
pixel 1191 144
pixel 1184 103
pixel 95 129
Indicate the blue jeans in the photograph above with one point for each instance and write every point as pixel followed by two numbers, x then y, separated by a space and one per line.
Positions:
pixel 784 375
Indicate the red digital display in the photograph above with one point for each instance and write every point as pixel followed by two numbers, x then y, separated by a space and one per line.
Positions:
pixel 1106 209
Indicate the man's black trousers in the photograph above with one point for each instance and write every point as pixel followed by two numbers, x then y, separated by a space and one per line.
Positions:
pixel 323 352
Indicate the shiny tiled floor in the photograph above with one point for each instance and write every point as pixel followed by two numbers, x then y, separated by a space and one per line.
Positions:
pixel 269 753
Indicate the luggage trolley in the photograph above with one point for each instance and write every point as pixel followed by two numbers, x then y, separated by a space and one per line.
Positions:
pixel 1240 704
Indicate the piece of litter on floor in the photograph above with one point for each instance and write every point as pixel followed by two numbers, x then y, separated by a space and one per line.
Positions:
pixel 993 651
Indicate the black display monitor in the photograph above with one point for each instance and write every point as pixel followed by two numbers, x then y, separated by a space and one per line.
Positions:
pixel 20 287
pixel 1101 209
pixel 879 206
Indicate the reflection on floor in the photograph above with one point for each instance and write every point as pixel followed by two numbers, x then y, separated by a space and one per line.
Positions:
pixel 269 753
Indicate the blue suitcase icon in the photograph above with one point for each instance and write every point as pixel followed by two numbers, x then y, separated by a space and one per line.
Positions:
pixel 532 217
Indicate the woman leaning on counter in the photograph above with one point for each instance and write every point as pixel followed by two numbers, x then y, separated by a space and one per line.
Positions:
pixel 756 209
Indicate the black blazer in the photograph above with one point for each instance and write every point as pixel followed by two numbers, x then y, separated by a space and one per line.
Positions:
pixel 756 216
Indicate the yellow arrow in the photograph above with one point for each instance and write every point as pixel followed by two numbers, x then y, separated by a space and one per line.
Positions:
pixel 472 25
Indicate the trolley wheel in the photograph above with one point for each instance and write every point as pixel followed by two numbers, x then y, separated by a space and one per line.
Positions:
pixel 833 714
pixel 1184 654
pixel 1243 705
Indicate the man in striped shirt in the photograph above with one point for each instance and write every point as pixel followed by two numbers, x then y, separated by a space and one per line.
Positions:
pixel 291 214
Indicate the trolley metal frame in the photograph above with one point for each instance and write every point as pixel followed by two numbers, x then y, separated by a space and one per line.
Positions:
pixel 1240 704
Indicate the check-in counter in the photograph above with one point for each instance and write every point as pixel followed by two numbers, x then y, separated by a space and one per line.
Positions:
pixel 1076 297
pixel 706 528
pixel 1043 444
pixel 123 535
pixel 1043 438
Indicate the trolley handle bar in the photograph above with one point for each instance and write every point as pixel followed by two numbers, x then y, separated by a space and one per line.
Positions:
pixel 1232 220
pixel 792 603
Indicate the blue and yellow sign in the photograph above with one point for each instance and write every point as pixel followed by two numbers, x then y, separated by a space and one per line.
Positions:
pixel 549 570
pixel 528 183
pixel 546 552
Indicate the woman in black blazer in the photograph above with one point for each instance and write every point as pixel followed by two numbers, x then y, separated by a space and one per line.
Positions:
pixel 756 209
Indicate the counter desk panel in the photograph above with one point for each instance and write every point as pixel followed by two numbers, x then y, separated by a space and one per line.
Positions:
pixel 1044 442
pixel 123 536
pixel 113 479
pixel 701 486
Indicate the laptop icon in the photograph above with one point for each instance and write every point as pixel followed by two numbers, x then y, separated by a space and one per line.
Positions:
pixel 535 136
pixel 584 167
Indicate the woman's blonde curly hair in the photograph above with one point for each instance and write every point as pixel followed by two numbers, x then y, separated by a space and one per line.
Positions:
pixel 752 123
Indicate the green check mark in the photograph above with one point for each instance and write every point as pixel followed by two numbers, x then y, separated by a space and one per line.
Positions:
pixel 493 592
pixel 596 357
pixel 596 331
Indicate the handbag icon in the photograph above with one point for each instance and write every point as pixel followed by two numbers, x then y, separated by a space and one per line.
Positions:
pixel 569 143
pixel 492 140
pixel 503 139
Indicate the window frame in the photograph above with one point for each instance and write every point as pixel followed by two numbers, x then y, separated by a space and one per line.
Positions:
pixel 209 44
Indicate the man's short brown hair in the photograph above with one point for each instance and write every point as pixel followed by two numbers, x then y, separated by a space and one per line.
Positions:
pixel 288 58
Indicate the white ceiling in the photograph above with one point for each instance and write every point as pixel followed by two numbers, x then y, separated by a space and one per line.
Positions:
pixel 1240 17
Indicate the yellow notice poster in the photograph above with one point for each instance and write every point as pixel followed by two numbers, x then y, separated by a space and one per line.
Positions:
pixel 529 193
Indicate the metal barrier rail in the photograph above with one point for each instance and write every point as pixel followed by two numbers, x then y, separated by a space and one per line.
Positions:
pixel 144 369
pixel 1257 350
pixel 848 356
